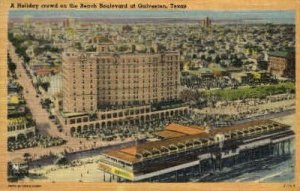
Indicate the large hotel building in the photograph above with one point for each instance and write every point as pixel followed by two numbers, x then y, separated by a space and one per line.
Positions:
pixel 119 87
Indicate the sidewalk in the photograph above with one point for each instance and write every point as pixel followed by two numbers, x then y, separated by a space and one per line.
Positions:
pixel 43 123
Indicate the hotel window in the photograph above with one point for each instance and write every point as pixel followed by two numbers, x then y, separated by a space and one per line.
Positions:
pixel 126 112
pixel 85 119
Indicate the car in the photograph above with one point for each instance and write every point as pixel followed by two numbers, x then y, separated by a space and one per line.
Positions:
pixel 51 117
pixel 59 128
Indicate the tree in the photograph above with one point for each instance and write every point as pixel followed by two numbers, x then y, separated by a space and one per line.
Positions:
pixel 47 102
pixel 18 42
pixel 122 48
pixel 217 59
pixel 45 85
pixel 211 51
pixel 127 28
pixel 12 66
pixel 237 63
pixel 78 45
pixel 209 59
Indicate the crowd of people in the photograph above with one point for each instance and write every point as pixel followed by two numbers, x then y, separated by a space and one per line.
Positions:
pixel 37 140
pixel 121 133
pixel 223 114
pixel 207 83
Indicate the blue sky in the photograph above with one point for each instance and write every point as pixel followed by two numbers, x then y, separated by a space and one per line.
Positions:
pixel 267 16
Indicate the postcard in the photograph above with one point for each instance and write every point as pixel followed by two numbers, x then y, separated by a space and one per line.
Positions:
pixel 149 95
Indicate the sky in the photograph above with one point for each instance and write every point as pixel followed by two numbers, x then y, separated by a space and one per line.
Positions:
pixel 285 17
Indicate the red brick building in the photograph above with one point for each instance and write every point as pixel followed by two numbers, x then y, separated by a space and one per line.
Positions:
pixel 282 64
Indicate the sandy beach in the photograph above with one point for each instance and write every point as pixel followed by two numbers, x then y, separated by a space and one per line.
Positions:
pixel 86 170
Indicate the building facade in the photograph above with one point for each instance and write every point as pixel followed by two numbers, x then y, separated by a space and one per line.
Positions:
pixel 94 81
pixel 83 122
pixel 103 89
pixel 20 128
pixel 282 64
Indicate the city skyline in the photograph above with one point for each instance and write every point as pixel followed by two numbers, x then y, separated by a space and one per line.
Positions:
pixel 244 16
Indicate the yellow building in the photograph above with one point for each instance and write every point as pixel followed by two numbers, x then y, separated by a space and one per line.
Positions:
pixel 19 128
pixel 104 89
pixel 92 81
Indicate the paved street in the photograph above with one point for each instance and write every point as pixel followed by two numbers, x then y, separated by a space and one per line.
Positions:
pixel 44 125
pixel 47 127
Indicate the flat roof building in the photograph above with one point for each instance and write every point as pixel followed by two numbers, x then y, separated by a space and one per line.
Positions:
pixel 95 80
pixel 195 150
pixel 119 88
pixel 282 64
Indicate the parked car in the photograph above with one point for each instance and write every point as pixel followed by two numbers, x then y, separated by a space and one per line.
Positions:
pixel 59 127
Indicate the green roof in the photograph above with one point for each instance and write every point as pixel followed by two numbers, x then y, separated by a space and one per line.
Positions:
pixel 283 54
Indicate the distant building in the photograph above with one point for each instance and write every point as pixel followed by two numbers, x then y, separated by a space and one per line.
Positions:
pixel 251 77
pixel 68 23
pixel 206 22
pixel 282 64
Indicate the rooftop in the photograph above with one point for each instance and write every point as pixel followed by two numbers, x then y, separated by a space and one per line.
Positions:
pixel 175 130
pixel 283 54
pixel 13 99
pixel 178 136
